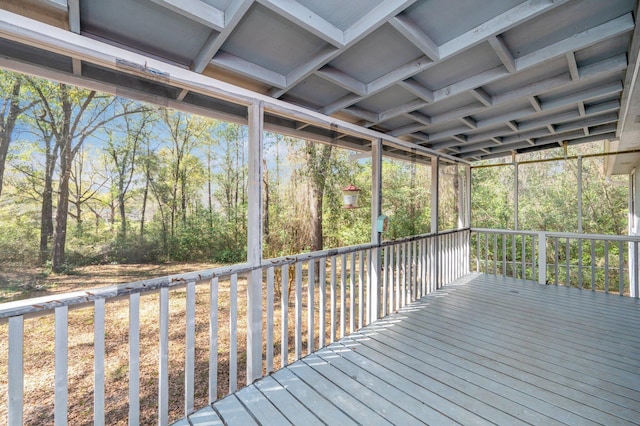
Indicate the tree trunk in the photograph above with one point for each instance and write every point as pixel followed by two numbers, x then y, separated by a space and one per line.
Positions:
pixel 60 230
pixel 46 212
pixel 317 162
pixel 7 125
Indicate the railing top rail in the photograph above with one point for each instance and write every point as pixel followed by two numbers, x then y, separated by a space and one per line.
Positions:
pixel 571 235
pixel 37 305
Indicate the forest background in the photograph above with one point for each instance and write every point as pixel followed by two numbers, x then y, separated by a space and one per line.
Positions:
pixel 91 179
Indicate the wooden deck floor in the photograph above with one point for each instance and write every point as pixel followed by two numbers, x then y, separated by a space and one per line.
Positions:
pixel 484 350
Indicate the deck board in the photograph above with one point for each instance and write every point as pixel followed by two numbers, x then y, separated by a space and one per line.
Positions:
pixel 485 350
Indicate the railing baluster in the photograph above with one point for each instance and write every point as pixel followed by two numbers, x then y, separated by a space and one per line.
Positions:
pixel 486 253
pixel 580 264
pixel 343 297
pixel 534 272
pixel 593 266
pixel 284 316
pixel 514 252
pixel 190 350
pixel 504 255
pixel 333 298
pixel 635 273
pixel 568 261
pixel 213 340
pixel 423 287
pixel 270 310
pixel 361 291
pixel 409 247
pixel 311 278
pixel 385 280
pixel 478 238
pixel 606 266
pixel 620 268
pixel 352 294
pixel 523 257
pixel 15 372
pixel 398 276
pixel 367 295
pixel 298 307
pixel 418 273
pixel 555 254
pixel 495 254
pixel 322 291
pixel 98 361
pixel 233 334
pixel 403 272
pixel 391 267
pixel 163 369
pixel 134 358
pixel 61 368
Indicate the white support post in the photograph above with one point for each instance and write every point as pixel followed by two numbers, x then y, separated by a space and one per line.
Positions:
pixel 376 210
pixel 435 179
pixel 516 196
pixel 580 194
pixel 254 243
pixel 461 194
pixel 467 220
pixel 542 258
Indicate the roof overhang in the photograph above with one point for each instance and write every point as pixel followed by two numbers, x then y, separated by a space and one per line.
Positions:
pixel 463 80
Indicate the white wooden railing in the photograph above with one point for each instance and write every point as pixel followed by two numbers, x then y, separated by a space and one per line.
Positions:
pixel 606 263
pixel 334 291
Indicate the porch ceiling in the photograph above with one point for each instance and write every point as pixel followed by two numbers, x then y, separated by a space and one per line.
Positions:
pixel 476 79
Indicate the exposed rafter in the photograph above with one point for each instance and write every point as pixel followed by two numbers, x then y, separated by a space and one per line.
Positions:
pixel 196 10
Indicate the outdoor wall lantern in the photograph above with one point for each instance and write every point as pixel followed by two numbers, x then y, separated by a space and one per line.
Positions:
pixel 350 194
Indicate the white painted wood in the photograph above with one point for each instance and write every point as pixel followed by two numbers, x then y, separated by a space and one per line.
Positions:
pixel 249 69
pixel 307 19
pixel 578 41
pixel 497 25
pixel 343 297
pixel 254 241
pixel 403 274
pixel 284 316
pixel 368 284
pixel 322 302
pixel 343 80
pixel 213 340
pixel 196 10
pixel 61 366
pixel 134 359
pixel 270 318
pixel 332 312
pixel 190 348
pixel 415 35
pixel 322 408
pixel 15 371
pixel 259 407
pixel 205 416
pixel 502 50
pixel 385 281
pixel 423 93
pixel 14 27
pixel 233 333
pixel 231 410
pixel 398 275
pixel 281 397
pixel 98 361
pixel 390 266
pixel 298 311
pixel 361 306
pixel 233 14
pixel 376 17
pixel 311 276
pixel 352 293
pixel 163 358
